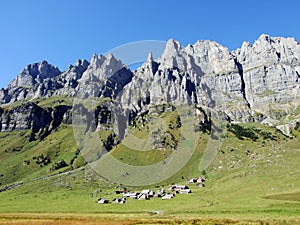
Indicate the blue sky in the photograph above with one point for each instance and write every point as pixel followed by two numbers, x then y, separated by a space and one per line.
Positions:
pixel 62 31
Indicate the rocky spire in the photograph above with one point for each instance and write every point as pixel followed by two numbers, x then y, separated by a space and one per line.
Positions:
pixel 150 57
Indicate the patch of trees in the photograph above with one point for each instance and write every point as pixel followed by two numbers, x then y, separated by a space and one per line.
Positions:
pixel 242 132
pixel 249 133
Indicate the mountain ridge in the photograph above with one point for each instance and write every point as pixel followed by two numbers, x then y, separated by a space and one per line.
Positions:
pixel 237 83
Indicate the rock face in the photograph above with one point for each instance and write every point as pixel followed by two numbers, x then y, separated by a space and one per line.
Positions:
pixel 43 80
pixel 240 83
pixel 256 82
pixel 205 74
pixel 271 73
pixel 29 116
pixel 68 80
pixel 104 77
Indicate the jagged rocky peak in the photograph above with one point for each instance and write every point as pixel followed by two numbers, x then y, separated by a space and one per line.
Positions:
pixel 150 57
pixel 212 57
pixel 106 75
pixel 270 73
pixel 102 67
pixel 204 57
pixel 269 50
pixel 107 61
pixel 75 72
pixel 80 65
pixel 34 73
pixel 148 68
pixel 171 56
pixel 112 61
pixel 97 60
pixel 172 47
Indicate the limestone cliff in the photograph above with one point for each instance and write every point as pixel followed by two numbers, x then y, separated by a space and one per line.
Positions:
pixel 258 82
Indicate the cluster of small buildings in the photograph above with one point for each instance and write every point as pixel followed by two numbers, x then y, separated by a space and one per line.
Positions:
pixel 161 193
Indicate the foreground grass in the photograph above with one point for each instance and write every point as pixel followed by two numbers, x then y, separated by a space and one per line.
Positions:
pixel 132 219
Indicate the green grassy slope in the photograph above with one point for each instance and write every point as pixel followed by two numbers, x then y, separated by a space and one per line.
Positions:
pixel 255 174
pixel 22 160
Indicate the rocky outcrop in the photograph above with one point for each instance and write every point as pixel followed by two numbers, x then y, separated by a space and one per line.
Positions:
pixel 22 117
pixel 287 128
pixel 29 116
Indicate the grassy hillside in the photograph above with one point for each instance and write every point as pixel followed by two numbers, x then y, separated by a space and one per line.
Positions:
pixel 22 160
pixel 255 176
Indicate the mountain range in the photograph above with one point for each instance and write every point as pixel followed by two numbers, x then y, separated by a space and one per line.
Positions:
pixel 258 82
